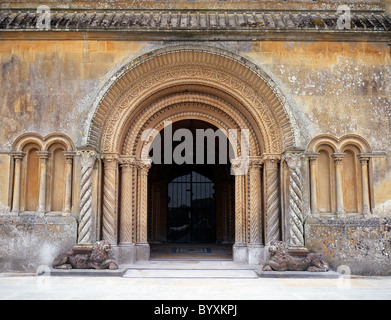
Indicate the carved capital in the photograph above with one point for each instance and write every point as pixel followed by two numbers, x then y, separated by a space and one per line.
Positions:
pixel 312 158
pixel 44 156
pixel 255 163
pixel 271 157
pixel 18 156
pixel 364 159
pixel 294 160
pixel 69 156
pixel 338 157
pixel 110 160
pixel 87 157
pixel 239 167
pixel 144 166
pixel 127 162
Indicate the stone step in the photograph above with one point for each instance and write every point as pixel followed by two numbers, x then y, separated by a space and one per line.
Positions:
pixel 191 273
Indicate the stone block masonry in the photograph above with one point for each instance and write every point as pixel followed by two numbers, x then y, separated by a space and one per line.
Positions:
pixel 364 245
pixel 28 242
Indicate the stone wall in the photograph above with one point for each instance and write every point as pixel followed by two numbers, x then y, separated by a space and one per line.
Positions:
pixel 331 87
pixel 28 242
pixel 334 88
pixel 364 245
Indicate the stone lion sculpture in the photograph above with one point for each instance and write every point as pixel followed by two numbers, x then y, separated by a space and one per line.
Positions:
pixel 281 260
pixel 87 257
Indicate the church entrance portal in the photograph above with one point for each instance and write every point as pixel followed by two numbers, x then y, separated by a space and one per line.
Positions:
pixel 211 87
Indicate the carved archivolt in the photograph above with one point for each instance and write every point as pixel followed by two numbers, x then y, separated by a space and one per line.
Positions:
pixel 238 90
pixel 185 106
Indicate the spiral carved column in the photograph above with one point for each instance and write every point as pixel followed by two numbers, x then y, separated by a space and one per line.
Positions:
pixel 255 202
pixel 128 165
pixel 255 231
pixel 110 195
pixel 296 219
pixel 239 170
pixel 88 158
pixel 272 188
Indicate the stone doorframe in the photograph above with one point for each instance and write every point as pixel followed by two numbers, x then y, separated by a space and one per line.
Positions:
pixel 210 85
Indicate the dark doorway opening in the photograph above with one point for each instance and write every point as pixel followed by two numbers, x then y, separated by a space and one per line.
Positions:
pixel 191 215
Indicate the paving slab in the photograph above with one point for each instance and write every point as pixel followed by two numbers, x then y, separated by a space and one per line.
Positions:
pixel 176 289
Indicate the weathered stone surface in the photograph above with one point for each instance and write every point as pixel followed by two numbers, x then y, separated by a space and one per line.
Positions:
pixel 194 20
pixel 87 83
pixel 29 242
pixel 94 256
pixel 364 245
pixel 281 260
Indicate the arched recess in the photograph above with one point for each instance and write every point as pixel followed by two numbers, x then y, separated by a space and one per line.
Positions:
pixel 326 180
pixel 30 177
pixel 42 173
pixel 340 175
pixel 179 83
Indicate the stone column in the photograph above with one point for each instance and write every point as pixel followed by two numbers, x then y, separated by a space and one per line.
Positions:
pixel 44 157
pixel 143 251
pixel 272 188
pixel 255 247
pixel 126 216
pixel 239 170
pixel 314 194
pixel 69 156
pixel 126 227
pixel 110 199
pixel 88 158
pixel 338 157
pixel 296 213
pixel 365 185
pixel 18 158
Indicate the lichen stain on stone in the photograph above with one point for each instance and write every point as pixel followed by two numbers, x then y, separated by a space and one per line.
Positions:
pixel 365 243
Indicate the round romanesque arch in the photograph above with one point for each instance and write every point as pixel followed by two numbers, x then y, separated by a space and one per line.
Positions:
pixel 207 71
pixel 175 84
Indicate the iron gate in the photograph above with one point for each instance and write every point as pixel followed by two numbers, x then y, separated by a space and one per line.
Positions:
pixel 191 209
